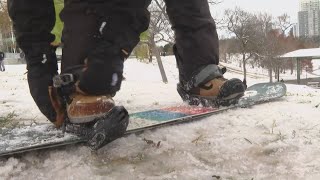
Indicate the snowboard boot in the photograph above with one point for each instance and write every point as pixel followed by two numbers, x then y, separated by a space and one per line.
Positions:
pixel 92 117
pixel 84 108
pixel 79 106
pixel 209 88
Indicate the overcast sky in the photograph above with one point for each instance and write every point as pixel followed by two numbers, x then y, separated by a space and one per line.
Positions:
pixel 274 7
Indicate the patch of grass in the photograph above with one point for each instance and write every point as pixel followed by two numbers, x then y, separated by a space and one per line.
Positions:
pixel 7 120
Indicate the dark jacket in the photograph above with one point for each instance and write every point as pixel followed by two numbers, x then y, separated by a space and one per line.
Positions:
pixel 1 56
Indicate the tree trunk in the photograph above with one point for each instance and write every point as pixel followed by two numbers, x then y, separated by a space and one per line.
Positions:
pixel 158 57
pixel 270 74
pixel 225 57
pixel 278 74
pixel 150 58
pixel 244 66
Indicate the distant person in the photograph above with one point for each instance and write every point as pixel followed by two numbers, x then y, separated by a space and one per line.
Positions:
pixel 2 68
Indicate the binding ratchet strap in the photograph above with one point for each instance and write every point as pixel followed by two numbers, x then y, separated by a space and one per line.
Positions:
pixel 206 74
pixel 63 80
pixel 64 83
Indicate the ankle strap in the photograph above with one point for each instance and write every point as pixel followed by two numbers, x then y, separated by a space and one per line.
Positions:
pixel 206 74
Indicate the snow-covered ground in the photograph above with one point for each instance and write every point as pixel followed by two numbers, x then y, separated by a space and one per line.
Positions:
pixel 233 64
pixel 278 140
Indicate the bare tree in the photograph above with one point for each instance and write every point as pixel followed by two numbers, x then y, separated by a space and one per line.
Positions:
pixel 242 24
pixel 260 38
pixel 159 22
pixel 283 23
pixel 271 40
pixel 6 28
pixel 265 45
pixel 159 30
pixel 3 4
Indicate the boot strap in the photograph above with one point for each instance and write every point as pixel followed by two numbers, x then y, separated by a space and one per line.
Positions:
pixel 65 86
pixel 63 80
pixel 203 76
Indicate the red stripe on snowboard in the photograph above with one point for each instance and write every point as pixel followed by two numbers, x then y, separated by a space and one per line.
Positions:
pixel 190 109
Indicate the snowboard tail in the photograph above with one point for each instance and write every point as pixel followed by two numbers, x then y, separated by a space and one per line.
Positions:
pixel 31 138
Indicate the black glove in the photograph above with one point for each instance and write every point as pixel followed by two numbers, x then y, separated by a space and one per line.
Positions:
pixel 42 67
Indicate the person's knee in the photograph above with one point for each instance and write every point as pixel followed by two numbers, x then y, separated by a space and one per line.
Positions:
pixel 32 27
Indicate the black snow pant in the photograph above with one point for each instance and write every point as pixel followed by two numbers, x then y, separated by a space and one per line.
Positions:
pixel 196 37
pixel 33 21
pixel 104 33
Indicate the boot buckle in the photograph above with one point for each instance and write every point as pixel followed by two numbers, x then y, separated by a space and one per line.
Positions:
pixel 63 80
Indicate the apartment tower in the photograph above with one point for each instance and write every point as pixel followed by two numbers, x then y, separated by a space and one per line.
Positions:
pixel 309 18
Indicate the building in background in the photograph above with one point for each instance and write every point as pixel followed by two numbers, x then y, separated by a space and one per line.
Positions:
pixel 295 30
pixel 309 18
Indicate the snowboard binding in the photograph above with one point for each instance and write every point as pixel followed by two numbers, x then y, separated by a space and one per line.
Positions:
pixel 222 92
pixel 103 130
pixel 196 100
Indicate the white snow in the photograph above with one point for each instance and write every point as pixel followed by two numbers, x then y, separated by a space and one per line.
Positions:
pixel 278 140
pixel 312 52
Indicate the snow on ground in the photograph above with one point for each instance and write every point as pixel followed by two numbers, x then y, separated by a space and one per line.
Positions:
pixel 233 64
pixel 278 140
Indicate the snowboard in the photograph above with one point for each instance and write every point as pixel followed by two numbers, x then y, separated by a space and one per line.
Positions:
pixel 35 137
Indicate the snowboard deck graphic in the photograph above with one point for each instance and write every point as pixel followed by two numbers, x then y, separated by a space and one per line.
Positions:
pixel 36 137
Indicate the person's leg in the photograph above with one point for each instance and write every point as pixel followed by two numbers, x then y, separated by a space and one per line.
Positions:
pixel 102 34
pixel 33 21
pixel 78 38
pixel 197 43
pixel 121 23
pixel 2 65
pixel 197 51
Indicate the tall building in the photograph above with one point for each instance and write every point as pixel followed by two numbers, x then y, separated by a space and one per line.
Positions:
pixel 309 18
pixel 295 31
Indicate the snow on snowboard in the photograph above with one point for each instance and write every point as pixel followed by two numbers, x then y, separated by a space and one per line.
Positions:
pixel 36 137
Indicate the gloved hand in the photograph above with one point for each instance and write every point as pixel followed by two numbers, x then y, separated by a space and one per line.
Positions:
pixel 41 70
